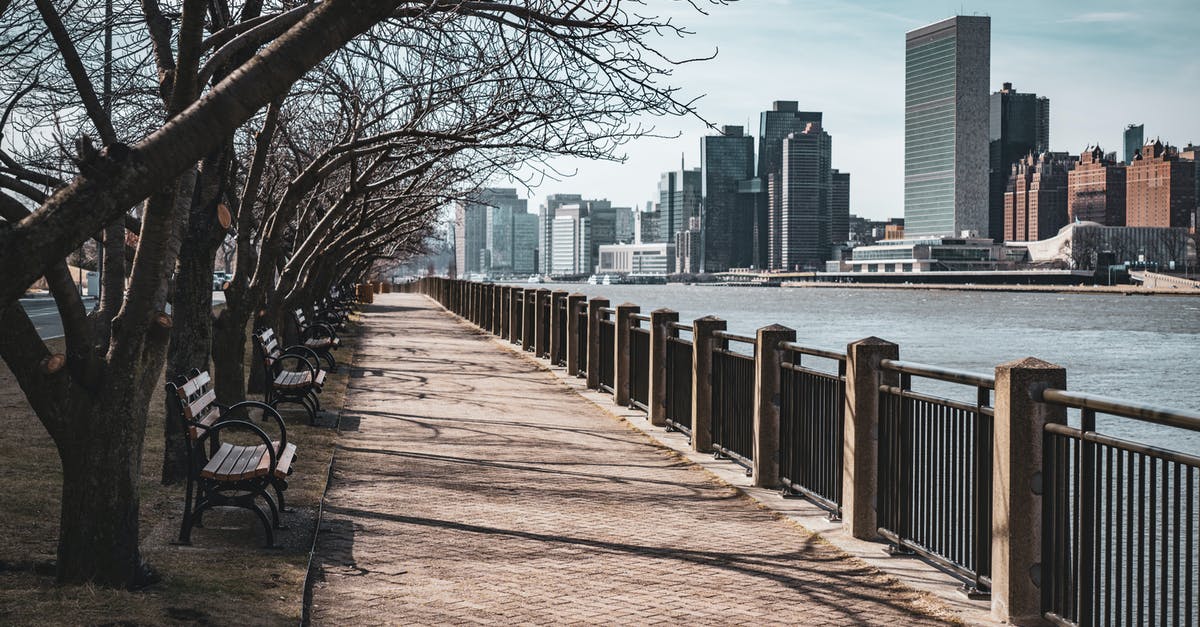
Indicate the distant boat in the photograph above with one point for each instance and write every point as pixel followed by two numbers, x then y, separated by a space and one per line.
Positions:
pixel 533 278
pixel 611 279
pixel 593 280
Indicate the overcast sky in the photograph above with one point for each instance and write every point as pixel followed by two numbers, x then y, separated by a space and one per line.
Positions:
pixel 1103 64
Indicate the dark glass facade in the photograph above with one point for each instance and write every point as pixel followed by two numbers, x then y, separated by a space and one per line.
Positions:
pixel 804 209
pixel 1019 125
pixel 726 160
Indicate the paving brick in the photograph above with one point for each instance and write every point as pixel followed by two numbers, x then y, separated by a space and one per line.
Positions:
pixel 478 488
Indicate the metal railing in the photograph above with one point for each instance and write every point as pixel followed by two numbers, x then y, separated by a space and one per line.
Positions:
pixel 559 358
pixel 733 400
pixel 679 379
pixel 543 320
pixel 639 363
pixel 605 344
pixel 518 320
pixel 812 411
pixel 935 471
pixel 581 355
pixel 1119 543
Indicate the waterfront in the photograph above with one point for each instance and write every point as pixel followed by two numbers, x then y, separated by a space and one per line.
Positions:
pixel 1138 348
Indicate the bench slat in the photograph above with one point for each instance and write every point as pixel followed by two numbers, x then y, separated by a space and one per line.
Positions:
pixel 217 460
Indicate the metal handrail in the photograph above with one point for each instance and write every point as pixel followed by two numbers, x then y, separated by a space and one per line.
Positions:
pixel 607 310
pixel 680 326
pixel 641 316
pixel 1156 414
pixel 815 352
pixel 734 337
pixel 906 393
pixel 941 374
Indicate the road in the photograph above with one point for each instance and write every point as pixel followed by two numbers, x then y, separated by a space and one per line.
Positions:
pixel 44 313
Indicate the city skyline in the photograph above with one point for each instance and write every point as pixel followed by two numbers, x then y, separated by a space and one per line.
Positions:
pixel 856 77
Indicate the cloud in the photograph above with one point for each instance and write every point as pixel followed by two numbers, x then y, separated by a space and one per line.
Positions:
pixel 1101 17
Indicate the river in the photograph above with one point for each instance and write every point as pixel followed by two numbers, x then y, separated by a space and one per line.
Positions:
pixel 1138 348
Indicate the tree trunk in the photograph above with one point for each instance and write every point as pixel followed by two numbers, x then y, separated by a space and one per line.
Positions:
pixel 98 538
pixel 229 354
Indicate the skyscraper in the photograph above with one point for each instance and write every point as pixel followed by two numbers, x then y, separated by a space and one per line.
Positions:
pixel 484 231
pixel 546 215
pixel 728 225
pixel 1019 125
pixel 783 119
pixel 1134 137
pixel 678 201
pixel 946 118
pixel 839 208
pixel 805 200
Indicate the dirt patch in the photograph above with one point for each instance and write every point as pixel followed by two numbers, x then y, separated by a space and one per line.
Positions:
pixel 225 577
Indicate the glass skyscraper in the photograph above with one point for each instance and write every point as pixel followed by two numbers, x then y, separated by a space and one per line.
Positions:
pixel 1020 125
pixel 728 225
pixel 947 70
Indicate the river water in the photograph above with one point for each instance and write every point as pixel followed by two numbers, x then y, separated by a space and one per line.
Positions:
pixel 1138 348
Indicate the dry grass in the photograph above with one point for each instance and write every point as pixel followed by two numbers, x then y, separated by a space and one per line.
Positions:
pixel 224 577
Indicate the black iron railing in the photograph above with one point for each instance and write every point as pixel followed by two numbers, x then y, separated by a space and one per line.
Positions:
pixel 608 333
pixel 679 380
pixel 812 410
pixel 935 471
pixel 518 320
pixel 559 358
pixel 543 320
pixel 639 363
pixel 733 400
pixel 581 355
pixel 1119 540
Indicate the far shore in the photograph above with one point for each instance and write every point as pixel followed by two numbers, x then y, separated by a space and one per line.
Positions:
pixel 1122 290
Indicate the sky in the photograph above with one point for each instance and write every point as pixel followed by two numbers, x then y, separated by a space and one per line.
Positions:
pixel 1103 64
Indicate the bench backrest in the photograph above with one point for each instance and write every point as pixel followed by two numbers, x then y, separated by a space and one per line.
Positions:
pixel 269 344
pixel 195 402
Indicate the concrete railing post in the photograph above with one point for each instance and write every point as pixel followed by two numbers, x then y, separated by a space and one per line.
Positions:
pixel 593 348
pixel 703 343
pixel 660 330
pixel 573 346
pixel 543 315
pixel 1018 428
pixel 494 309
pixel 622 381
pixel 557 333
pixel 860 446
pixel 768 357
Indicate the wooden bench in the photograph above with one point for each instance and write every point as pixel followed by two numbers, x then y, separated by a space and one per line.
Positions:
pixel 318 337
pixel 292 374
pixel 223 473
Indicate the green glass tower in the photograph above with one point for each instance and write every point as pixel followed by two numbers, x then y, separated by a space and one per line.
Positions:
pixel 946 116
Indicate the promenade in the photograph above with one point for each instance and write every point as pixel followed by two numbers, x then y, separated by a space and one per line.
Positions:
pixel 473 486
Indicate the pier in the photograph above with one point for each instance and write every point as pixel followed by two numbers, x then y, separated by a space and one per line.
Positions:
pixel 1039 518
pixel 472 484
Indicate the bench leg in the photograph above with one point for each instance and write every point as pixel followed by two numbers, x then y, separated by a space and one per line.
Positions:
pixel 266 523
pixel 280 485
pixel 185 527
pixel 330 362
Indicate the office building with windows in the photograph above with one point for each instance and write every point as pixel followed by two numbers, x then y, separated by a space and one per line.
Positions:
pixel 946 120
pixel 804 225
pixel 1096 189
pixel 727 227
pixel 1035 204
pixel 1160 188
pixel 679 195
pixel 1019 124
pixel 1134 138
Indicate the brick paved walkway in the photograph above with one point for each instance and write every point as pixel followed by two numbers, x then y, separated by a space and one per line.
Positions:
pixel 473 487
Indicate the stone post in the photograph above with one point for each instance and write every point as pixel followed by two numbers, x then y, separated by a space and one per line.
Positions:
pixel 703 344
pixel 557 334
pixel 768 357
pixel 1019 423
pixel 542 330
pixel 593 349
pixel 622 379
pixel 660 330
pixel 860 446
pixel 573 346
